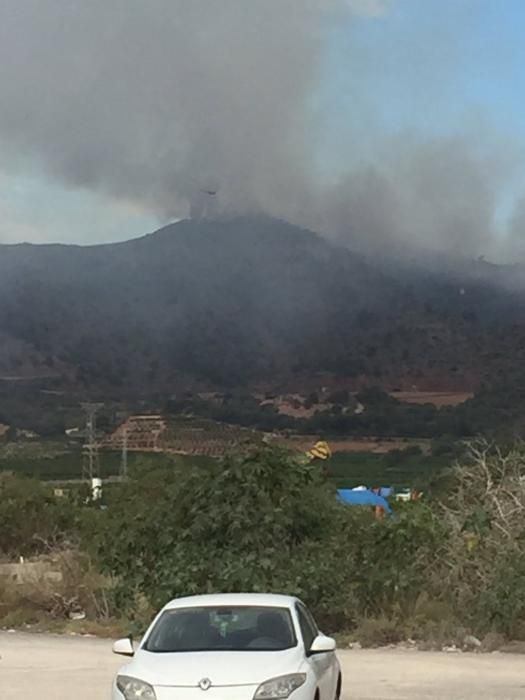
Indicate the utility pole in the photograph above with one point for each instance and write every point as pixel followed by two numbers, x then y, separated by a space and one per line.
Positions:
pixel 90 460
pixel 124 460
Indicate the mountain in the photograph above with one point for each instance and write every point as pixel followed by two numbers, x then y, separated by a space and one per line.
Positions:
pixel 252 300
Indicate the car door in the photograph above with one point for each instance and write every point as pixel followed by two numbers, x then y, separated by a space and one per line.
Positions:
pixel 322 665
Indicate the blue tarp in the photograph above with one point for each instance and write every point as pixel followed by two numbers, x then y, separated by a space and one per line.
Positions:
pixel 386 491
pixel 363 498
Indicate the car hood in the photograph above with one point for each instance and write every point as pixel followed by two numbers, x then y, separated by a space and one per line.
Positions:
pixel 222 668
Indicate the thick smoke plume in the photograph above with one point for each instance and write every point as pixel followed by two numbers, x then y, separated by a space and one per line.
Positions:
pixel 159 100
pixel 207 106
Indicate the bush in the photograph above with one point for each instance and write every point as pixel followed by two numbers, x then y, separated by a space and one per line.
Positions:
pixel 482 560
pixel 31 519
pixel 60 585
pixel 260 522
pixel 267 521
pixel 379 632
pixel 394 558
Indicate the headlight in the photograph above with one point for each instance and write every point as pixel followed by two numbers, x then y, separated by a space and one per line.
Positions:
pixel 280 688
pixel 133 689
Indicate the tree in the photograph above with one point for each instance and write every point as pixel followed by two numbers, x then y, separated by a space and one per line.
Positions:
pixel 483 561
pixel 262 521
pixel 31 518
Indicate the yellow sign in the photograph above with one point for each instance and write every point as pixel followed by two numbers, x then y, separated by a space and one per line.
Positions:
pixel 320 450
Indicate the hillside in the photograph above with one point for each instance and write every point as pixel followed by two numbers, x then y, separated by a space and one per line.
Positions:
pixel 224 303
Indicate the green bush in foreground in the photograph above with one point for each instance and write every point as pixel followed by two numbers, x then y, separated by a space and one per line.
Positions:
pixel 266 521
pixel 260 522
pixel 31 518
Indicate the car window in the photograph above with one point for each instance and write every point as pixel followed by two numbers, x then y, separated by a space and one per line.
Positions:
pixel 310 618
pixel 307 624
pixel 244 628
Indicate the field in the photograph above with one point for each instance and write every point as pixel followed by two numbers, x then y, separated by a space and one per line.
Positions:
pixel 348 469
pixel 182 436
pixel 372 445
pixel 62 461
pixel 436 398
pixel 51 460
pixel 67 465
pixel 42 459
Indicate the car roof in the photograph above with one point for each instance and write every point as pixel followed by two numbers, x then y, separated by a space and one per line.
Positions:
pixel 262 600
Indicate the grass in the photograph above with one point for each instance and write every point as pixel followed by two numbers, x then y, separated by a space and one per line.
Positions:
pixel 52 460
pixel 397 469
pixel 42 459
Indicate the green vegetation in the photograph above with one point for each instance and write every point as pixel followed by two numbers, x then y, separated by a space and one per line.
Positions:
pixel 266 520
pixel 491 412
pixel 42 411
pixel 41 459
pixel 52 460
pixel 399 468
pixel 31 519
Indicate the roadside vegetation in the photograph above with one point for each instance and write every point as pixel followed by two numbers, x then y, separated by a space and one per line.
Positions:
pixel 445 570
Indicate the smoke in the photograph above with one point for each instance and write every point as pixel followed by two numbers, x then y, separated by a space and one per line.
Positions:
pixel 427 194
pixel 156 101
pixel 207 107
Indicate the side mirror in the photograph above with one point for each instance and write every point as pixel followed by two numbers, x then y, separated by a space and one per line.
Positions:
pixel 322 645
pixel 124 647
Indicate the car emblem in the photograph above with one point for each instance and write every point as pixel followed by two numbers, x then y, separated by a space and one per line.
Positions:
pixel 205 684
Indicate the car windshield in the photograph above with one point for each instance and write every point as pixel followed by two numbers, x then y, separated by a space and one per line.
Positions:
pixel 222 629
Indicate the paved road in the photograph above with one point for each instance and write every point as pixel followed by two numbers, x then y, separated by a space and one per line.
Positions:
pixel 70 668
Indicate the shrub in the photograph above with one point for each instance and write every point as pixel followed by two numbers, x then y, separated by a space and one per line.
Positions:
pixel 31 519
pixel 62 584
pixel 482 560
pixel 379 632
pixel 265 521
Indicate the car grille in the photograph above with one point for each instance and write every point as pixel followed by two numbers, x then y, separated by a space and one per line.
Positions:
pixel 244 692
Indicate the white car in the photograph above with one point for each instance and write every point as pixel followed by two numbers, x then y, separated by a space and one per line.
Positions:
pixel 230 647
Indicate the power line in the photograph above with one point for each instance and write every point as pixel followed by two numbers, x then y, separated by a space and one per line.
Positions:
pixel 90 458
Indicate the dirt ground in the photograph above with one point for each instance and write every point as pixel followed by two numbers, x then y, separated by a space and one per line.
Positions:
pixel 39 667
pixel 373 445
pixel 61 668
pixel 438 398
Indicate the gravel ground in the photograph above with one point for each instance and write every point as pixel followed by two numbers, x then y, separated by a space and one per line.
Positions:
pixel 41 667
